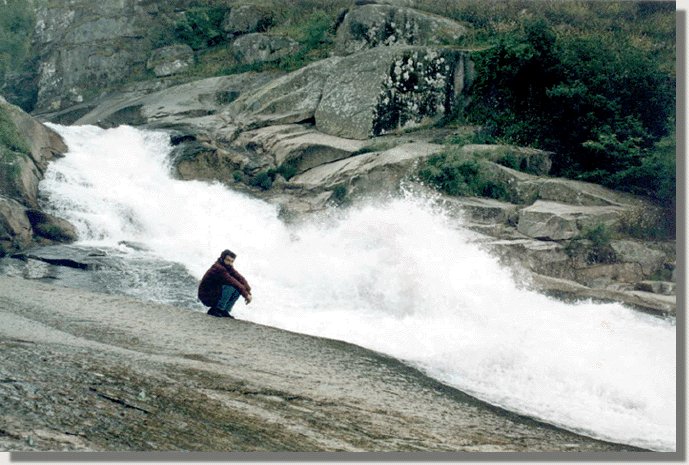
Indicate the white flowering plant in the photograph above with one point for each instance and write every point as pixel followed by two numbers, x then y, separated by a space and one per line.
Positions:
pixel 418 86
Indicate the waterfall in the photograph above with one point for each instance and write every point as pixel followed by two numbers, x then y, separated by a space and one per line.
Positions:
pixel 395 276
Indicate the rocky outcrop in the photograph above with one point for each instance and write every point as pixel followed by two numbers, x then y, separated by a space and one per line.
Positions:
pixel 245 19
pixel 21 222
pixel 363 95
pixel 258 47
pixel 86 47
pixel 557 221
pixel 119 374
pixel 167 61
pixel 373 25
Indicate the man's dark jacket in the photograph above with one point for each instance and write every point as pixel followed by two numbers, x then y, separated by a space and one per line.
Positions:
pixel 215 278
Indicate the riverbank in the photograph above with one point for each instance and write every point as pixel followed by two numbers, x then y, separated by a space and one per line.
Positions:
pixel 93 372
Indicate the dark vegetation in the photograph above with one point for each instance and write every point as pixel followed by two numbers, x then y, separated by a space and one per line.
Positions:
pixel 592 82
pixel 16 61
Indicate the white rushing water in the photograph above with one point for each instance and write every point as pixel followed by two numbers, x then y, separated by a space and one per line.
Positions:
pixel 394 277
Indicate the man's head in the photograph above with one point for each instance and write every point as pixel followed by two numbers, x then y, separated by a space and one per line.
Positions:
pixel 227 257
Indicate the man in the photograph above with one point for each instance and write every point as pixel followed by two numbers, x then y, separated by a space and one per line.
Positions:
pixel 222 285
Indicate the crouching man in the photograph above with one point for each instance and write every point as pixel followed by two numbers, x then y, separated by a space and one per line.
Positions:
pixel 222 285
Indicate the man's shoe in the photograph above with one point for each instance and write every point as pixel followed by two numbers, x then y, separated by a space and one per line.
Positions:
pixel 215 312
pixel 225 314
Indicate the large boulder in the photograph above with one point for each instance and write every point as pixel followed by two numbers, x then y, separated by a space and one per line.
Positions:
pixel 15 228
pixel 292 98
pixel 198 104
pixel 557 221
pixel 170 60
pixel 650 260
pixel 258 47
pixel 524 159
pixel 378 171
pixel 23 167
pixel 373 25
pixel 389 90
pixel 25 150
pixel 300 147
pixel 368 94
pixel 246 19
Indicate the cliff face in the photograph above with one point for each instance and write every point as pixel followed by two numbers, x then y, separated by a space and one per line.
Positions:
pixel 85 46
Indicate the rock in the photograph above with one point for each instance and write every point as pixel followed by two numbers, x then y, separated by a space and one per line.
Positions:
pixel 388 90
pixel 64 255
pixel 657 304
pixel 481 210
pixel 170 60
pixel 363 95
pixel 23 167
pixel 556 221
pixel 367 173
pixel 648 259
pixel 259 47
pixel 21 222
pixel 371 26
pixel 524 159
pixel 51 227
pixel 657 287
pixel 541 257
pixel 195 107
pixel 246 19
pixel 292 98
pixel 89 47
pixel 584 193
pixel 301 147
pixel 602 275
pixel 15 228
pixel 203 162
pixel 87 358
pixel 19 177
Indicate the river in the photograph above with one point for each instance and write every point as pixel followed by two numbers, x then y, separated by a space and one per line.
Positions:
pixel 393 275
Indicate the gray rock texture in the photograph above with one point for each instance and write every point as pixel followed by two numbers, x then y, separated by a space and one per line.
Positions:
pixel 259 47
pixel 374 25
pixel 363 95
pixel 245 19
pixel 558 221
pixel 86 47
pixel 170 60
pixel 22 224
pixel 88 372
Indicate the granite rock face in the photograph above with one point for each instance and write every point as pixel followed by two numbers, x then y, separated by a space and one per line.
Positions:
pixel 170 60
pixel 374 25
pixel 367 94
pixel 21 221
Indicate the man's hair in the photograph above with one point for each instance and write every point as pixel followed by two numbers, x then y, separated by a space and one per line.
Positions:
pixel 227 252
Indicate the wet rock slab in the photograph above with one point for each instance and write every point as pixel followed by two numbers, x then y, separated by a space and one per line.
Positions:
pixel 93 372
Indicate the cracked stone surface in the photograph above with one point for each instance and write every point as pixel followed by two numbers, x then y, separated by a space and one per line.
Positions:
pixel 92 372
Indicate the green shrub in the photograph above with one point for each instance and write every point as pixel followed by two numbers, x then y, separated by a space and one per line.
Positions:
pixel 461 176
pixel 238 176
pixel 595 243
pixel 340 195
pixel 264 180
pixel 10 139
pixel 603 97
pixel 201 27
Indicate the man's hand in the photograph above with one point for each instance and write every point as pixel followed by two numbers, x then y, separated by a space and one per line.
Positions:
pixel 247 299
